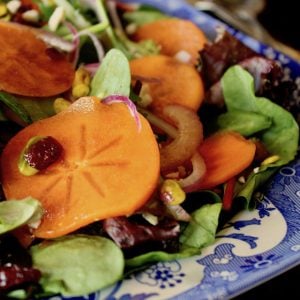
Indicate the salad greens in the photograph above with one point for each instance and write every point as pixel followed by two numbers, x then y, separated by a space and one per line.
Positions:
pixel 280 137
pixel 200 232
pixel 245 122
pixel 72 14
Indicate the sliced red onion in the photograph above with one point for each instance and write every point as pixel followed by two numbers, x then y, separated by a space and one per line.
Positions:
pixel 55 41
pixel 190 183
pixel 98 46
pixel 131 106
pixel 92 68
pixel 75 41
pixel 112 11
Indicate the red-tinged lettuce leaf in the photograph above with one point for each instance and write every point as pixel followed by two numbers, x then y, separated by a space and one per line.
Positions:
pixel 217 57
pixel 269 78
pixel 128 233
pixel 198 233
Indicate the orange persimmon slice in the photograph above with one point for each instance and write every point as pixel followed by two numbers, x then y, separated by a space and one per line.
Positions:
pixel 169 81
pixel 109 166
pixel 226 154
pixel 28 66
pixel 174 35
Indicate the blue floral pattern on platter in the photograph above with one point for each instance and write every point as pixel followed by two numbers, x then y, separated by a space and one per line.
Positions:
pixel 254 246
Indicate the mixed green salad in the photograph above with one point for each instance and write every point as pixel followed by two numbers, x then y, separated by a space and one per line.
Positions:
pixel 127 138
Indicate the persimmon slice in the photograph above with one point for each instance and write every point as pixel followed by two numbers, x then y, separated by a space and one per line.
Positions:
pixel 226 154
pixel 174 35
pixel 109 166
pixel 28 66
pixel 170 81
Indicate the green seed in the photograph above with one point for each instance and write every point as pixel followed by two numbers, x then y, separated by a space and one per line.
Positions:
pixel 23 166
pixel 3 10
pixel 171 192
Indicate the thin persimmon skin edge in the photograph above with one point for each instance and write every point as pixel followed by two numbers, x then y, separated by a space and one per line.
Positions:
pixel 171 35
pixel 174 82
pixel 226 154
pixel 129 188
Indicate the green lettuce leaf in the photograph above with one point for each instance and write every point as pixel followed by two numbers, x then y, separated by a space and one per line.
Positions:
pixel 15 213
pixel 37 109
pixel 246 123
pixel 201 230
pixel 78 264
pixel 113 76
pixel 281 137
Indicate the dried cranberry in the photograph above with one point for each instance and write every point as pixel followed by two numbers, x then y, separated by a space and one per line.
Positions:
pixel 127 234
pixel 43 153
pixel 12 253
pixel 13 275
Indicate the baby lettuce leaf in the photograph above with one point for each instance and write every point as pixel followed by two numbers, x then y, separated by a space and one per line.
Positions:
pixel 280 138
pixel 15 213
pixel 201 230
pixel 246 123
pixel 15 106
pixel 78 264
pixel 113 76
pixel 37 109
pixel 199 233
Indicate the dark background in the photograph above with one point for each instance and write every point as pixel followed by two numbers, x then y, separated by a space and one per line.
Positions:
pixel 285 286
pixel 282 19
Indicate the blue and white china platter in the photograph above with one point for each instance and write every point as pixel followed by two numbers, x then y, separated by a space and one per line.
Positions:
pixel 254 246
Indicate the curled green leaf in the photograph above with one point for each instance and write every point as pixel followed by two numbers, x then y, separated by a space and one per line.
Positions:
pixel 246 123
pixel 202 228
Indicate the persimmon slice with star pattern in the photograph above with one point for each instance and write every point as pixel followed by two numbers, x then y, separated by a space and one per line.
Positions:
pixel 109 166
